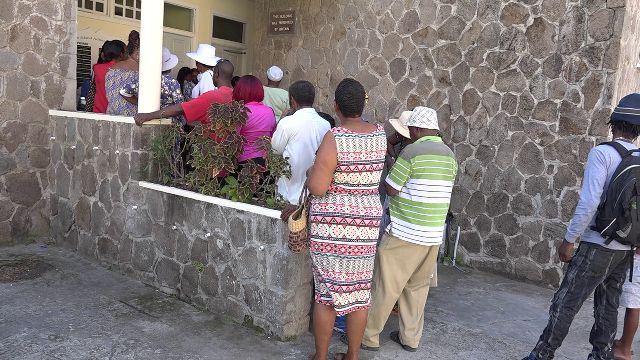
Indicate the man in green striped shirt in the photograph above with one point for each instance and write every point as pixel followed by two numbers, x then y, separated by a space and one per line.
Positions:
pixel 420 185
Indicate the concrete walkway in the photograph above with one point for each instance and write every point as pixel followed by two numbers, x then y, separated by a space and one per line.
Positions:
pixel 79 310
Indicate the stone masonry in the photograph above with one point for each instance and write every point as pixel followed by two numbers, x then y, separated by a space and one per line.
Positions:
pixel 523 90
pixel 233 263
pixel 37 73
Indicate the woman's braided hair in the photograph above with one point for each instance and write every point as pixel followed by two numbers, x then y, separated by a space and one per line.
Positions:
pixel 350 98
pixel 134 42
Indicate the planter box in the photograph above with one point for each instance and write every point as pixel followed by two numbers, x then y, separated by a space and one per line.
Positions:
pixel 226 257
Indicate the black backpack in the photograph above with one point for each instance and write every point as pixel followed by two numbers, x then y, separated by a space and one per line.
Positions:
pixel 618 216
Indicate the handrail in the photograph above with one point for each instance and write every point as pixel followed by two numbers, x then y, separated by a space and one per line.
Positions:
pixel 104 117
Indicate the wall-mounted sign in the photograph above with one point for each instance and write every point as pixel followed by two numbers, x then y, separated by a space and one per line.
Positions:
pixel 282 22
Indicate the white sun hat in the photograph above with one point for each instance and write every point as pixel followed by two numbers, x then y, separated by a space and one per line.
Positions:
pixel 424 118
pixel 169 60
pixel 275 73
pixel 206 54
pixel 400 124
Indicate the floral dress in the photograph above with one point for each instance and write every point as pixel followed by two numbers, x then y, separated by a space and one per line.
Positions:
pixel 170 93
pixel 344 222
pixel 115 80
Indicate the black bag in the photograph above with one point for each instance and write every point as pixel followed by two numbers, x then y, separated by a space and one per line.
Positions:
pixel 618 216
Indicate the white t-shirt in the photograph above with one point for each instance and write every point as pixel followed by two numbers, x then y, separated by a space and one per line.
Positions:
pixel 205 83
pixel 297 139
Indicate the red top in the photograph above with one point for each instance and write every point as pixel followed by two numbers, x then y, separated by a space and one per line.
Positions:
pixel 100 101
pixel 196 109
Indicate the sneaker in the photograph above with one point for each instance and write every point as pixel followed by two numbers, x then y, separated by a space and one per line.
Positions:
pixel 345 341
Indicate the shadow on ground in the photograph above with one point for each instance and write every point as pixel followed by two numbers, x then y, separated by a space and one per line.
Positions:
pixel 70 308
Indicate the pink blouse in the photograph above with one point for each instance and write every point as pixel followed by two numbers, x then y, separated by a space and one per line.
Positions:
pixel 260 122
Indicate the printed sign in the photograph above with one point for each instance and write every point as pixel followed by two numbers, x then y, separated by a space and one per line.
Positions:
pixel 282 22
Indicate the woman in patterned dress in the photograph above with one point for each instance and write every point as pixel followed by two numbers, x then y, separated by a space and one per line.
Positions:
pixel 121 74
pixel 345 214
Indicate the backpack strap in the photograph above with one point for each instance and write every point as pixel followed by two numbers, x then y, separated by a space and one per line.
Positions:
pixel 619 148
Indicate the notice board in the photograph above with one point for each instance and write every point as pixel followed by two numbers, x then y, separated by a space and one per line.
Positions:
pixel 282 22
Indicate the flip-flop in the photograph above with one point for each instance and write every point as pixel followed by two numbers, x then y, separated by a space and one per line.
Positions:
pixel 345 340
pixel 395 336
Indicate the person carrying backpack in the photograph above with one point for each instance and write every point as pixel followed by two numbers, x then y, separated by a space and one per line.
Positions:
pixel 606 221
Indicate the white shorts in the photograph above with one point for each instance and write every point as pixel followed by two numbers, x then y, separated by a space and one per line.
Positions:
pixel 630 297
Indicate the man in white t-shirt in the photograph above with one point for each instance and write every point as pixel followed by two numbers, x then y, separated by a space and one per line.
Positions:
pixel 297 139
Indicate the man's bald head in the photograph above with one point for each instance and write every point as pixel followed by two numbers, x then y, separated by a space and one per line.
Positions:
pixel 225 70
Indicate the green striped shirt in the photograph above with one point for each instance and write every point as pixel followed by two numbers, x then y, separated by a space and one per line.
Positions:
pixel 424 175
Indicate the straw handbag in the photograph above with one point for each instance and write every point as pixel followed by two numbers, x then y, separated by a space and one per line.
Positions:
pixel 298 224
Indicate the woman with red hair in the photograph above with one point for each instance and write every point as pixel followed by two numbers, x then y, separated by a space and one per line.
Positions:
pixel 260 121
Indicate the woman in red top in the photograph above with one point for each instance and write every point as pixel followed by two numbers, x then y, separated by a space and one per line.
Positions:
pixel 111 51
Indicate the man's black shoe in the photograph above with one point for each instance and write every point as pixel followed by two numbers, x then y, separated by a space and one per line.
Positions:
pixel 395 336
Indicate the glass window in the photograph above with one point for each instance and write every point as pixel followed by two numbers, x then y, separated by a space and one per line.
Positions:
pixel 178 17
pixel 129 9
pixel 227 29
pixel 92 5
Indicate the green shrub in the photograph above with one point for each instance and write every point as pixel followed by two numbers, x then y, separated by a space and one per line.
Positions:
pixel 209 158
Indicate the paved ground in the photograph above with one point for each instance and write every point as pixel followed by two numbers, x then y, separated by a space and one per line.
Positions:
pixel 79 310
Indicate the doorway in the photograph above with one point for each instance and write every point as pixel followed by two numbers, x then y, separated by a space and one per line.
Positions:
pixel 236 56
pixel 179 45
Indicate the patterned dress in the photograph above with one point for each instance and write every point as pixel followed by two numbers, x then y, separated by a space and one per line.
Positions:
pixel 344 223
pixel 115 80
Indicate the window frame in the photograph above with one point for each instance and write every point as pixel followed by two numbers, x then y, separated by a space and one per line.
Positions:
pixel 245 26
pixel 124 6
pixel 105 6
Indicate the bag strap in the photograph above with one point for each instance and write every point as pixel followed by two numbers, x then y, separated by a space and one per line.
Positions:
pixel 303 195
pixel 622 151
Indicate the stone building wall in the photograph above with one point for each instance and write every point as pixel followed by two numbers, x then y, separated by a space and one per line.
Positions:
pixel 629 73
pixel 522 88
pixel 233 263
pixel 37 73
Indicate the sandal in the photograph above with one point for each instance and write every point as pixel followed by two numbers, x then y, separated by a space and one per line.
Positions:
pixel 395 336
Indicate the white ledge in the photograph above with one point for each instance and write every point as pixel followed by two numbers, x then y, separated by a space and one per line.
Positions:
pixel 211 199
pixel 104 117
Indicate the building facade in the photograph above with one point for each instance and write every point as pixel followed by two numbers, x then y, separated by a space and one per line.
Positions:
pixel 523 90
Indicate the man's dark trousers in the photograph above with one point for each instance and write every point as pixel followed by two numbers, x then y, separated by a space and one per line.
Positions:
pixel 592 268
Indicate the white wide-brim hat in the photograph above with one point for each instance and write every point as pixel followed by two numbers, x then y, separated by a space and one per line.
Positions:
pixel 206 54
pixel 169 60
pixel 424 118
pixel 400 124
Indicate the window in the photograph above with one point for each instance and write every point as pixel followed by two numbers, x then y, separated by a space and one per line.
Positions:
pixel 92 5
pixel 178 17
pixel 83 69
pixel 227 29
pixel 129 9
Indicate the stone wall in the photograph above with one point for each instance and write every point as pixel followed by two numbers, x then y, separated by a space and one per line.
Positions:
pixel 37 73
pixel 522 88
pixel 233 263
pixel 629 73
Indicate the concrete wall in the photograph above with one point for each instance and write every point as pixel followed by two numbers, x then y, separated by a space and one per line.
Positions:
pixel 523 90
pixel 232 262
pixel 629 73
pixel 37 73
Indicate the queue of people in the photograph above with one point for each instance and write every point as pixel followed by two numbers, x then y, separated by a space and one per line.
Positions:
pixel 374 244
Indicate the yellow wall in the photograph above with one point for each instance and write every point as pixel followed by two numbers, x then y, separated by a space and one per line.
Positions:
pixel 96 29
